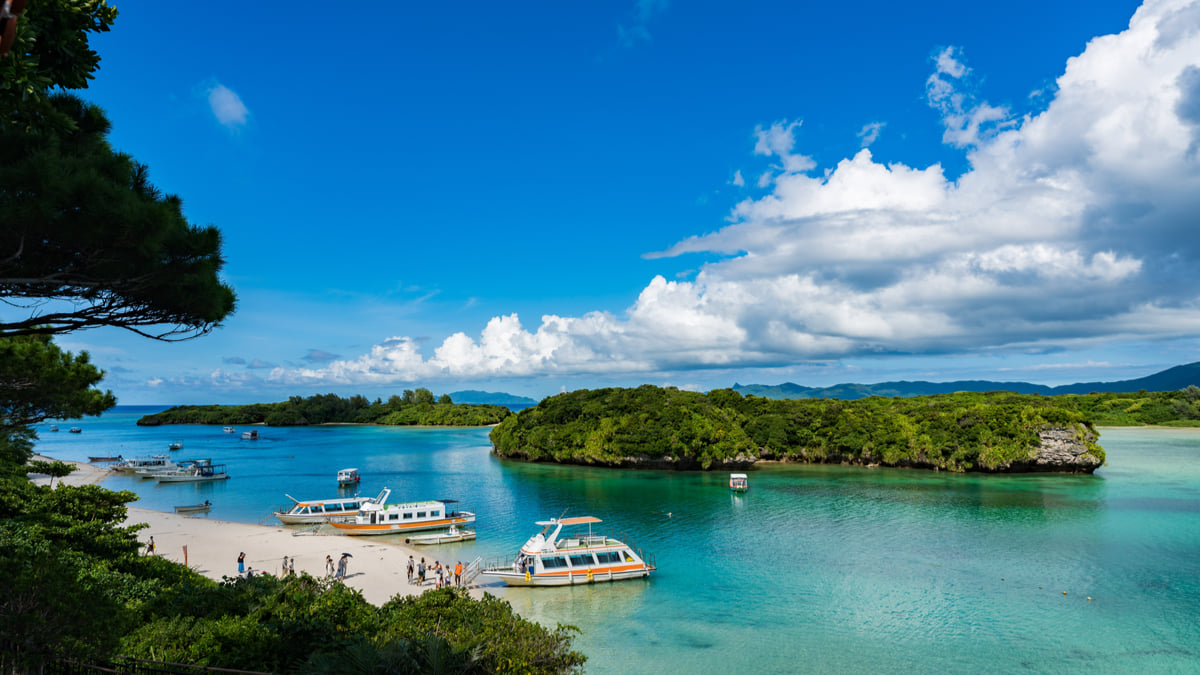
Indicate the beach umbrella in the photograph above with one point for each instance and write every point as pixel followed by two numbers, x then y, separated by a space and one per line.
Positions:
pixel 347 555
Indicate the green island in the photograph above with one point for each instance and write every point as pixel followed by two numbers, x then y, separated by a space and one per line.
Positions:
pixel 653 427
pixel 413 407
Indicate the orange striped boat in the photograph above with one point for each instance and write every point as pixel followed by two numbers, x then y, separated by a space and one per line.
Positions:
pixel 379 517
pixel 552 559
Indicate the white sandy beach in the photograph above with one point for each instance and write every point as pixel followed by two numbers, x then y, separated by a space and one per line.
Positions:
pixel 376 569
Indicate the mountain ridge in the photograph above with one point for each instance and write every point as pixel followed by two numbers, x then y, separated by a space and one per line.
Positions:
pixel 1171 379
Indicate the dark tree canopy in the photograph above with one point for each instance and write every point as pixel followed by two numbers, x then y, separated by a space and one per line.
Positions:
pixel 39 381
pixel 85 239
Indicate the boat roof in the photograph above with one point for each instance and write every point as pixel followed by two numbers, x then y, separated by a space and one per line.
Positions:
pixel 737 475
pixel 579 520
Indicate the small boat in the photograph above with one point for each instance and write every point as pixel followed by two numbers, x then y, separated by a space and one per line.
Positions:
pixel 348 477
pixel 194 507
pixel 450 536
pixel 324 510
pixel 738 482
pixel 176 445
pixel 75 430
pixel 250 435
pixel 379 517
pixel 578 558
pixel 156 462
pixel 53 427
pixel 196 474
pixel 102 460
pixel 228 430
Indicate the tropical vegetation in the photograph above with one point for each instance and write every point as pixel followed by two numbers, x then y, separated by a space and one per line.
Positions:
pixel 413 407
pixel 965 431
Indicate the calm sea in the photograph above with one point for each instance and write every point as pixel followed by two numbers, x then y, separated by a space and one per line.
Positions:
pixel 816 568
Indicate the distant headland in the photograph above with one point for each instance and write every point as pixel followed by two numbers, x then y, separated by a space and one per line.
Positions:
pixel 412 408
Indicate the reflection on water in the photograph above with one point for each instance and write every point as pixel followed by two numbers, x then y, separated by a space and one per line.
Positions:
pixel 815 568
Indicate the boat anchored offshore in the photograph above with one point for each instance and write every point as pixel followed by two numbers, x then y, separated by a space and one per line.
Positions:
pixel 175 445
pixel 449 537
pixel 324 510
pixel 549 559
pixel 379 517
pixel 228 430
pixel 738 482
pixel 154 463
pixel 348 477
pixel 202 471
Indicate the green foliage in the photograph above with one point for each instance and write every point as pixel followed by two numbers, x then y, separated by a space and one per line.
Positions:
pixel 40 381
pixel 413 408
pixel 666 427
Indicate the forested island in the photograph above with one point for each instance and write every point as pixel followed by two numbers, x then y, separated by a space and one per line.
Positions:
pixel 994 431
pixel 413 407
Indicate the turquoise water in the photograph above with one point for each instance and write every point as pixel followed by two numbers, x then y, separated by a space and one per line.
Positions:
pixel 816 568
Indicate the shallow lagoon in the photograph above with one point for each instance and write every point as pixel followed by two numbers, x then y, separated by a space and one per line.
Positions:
pixel 815 568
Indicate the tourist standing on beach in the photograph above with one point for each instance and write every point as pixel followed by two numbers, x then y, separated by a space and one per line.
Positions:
pixel 458 574
pixel 421 572
pixel 410 570
pixel 242 562
pixel 150 546
pixel 283 572
pixel 292 567
pixel 328 565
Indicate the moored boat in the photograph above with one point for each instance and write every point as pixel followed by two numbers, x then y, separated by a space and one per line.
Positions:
pixel 101 460
pixel 155 462
pixel 448 537
pixel 379 517
pixel 175 445
pixel 195 474
pixel 738 482
pixel 53 427
pixel 228 430
pixel 75 430
pixel 251 435
pixel 348 477
pixel 324 510
pixel 550 559
pixel 194 507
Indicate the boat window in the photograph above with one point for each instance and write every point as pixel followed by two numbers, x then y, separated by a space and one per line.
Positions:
pixel 628 555
pixel 420 514
pixel 555 562
pixel 608 557
pixel 408 516
pixel 436 514
pixel 584 560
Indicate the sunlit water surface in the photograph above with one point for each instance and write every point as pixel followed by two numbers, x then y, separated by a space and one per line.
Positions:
pixel 816 568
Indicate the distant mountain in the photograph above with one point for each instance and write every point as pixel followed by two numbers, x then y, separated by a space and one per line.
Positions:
pixel 493 398
pixel 1171 379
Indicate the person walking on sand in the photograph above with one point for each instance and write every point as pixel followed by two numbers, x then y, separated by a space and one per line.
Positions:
pixel 421 572
pixel 410 570
pixel 458 574
pixel 292 567
pixel 283 572
pixel 242 562
pixel 150 546
pixel 328 565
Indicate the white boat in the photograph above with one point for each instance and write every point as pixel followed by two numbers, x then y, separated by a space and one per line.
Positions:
pixel 448 537
pixel 347 477
pixel 53 427
pixel 324 510
pixel 738 482
pixel 154 463
pixel 549 559
pixel 379 517
pixel 75 430
pixel 175 445
pixel 228 430
pixel 250 435
pixel 194 507
pixel 196 474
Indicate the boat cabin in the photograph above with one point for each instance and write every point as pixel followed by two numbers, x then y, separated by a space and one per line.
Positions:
pixel 348 477
pixel 739 482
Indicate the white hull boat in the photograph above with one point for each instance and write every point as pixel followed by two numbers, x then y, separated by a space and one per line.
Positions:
pixel 549 559
pixel 449 537
pixel 382 518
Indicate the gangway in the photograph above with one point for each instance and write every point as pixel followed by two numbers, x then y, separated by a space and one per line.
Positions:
pixel 472 571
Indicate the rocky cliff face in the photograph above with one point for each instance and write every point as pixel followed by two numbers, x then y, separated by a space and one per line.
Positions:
pixel 1063 450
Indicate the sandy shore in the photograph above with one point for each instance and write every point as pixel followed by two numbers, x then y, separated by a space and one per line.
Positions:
pixel 376 569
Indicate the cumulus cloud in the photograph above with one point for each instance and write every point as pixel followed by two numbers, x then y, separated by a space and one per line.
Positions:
pixel 737 179
pixel 227 106
pixel 1070 226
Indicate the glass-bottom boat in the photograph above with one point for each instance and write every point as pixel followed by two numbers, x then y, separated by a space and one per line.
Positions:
pixel 550 558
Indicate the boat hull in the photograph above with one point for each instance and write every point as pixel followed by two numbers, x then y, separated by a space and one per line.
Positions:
pixel 313 519
pixel 436 539
pixel 364 529
pixel 569 578
pixel 189 479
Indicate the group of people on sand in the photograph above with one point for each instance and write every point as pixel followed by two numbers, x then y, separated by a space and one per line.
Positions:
pixel 443 576
pixel 288 568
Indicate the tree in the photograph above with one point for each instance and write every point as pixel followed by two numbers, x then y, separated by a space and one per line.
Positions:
pixel 85 239
pixel 445 398
pixel 39 381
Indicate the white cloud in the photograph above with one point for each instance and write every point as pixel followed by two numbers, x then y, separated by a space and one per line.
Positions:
pixel 1071 226
pixel 870 133
pixel 737 179
pixel 227 106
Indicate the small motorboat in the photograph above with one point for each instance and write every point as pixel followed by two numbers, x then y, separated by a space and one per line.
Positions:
pixel 53 427
pixel 228 430
pixel 75 430
pixel 250 435
pixel 103 460
pixel 449 537
pixel 175 445
pixel 193 508
pixel 380 517
pixel 348 477
pixel 202 471
pixel 738 482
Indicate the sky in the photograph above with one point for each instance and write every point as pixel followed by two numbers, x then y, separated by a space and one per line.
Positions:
pixel 546 196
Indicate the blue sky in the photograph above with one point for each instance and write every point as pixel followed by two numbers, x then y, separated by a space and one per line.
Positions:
pixel 534 197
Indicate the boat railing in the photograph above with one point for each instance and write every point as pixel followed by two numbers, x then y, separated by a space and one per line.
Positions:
pixel 473 569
